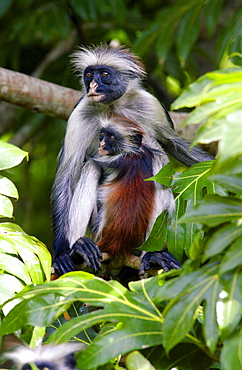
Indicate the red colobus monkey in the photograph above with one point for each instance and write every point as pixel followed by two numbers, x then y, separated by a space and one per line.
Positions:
pixel 111 81
pixel 126 206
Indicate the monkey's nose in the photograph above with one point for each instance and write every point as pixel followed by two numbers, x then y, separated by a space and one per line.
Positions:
pixel 93 84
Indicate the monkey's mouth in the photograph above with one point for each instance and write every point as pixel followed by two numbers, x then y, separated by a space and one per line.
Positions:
pixel 95 96
pixel 102 151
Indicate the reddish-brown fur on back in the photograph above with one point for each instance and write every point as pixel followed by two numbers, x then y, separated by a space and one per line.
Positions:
pixel 129 207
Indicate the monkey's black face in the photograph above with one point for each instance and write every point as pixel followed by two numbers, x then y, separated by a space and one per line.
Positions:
pixel 111 143
pixel 104 84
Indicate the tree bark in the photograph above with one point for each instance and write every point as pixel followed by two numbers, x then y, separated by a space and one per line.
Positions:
pixel 37 95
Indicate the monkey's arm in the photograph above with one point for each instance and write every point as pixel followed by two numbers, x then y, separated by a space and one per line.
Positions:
pixel 162 259
pixel 82 208
pixel 70 239
pixel 60 199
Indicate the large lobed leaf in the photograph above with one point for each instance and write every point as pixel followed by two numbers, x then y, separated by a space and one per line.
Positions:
pixel 34 254
pixel 214 210
pixel 141 320
pixel 186 294
pixel 189 187
pixel 231 355
pixel 158 235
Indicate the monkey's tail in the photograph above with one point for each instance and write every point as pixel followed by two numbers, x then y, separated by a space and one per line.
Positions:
pixel 179 148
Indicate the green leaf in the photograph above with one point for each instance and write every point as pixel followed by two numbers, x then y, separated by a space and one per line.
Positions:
pixel 178 237
pixel 158 234
pixel 221 239
pixel 214 210
pixel 165 39
pixel 193 94
pixel 14 266
pixel 227 131
pixel 189 30
pixel 208 87
pixel 181 312
pixel 190 187
pixel 191 183
pixel 216 106
pixel 217 96
pixel 135 360
pixel 10 155
pixel 164 176
pixel 229 303
pixel 37 336
pixel 211 13
pixel 208 133
pixel 10 285
pixel 183 356
pixel 119 342
pixel 161 31
pixel 231 143
pixel 35 255
pixel 229 38
pixel 231 167
pixel 8 188
pixel 33 265
pixel 231 356
pixel 232 257
pixel 6 207
pixel 231 183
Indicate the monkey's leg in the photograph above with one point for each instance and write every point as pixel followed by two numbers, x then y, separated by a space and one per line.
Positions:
pixel 161 259
pixel 85 250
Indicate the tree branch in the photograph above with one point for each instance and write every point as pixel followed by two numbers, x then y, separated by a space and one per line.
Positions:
pixel 37 95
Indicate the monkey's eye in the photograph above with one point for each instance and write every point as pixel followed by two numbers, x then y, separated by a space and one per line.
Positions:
pixel 102 135
pixel 105 74
pixel 111 138
pixel 88 74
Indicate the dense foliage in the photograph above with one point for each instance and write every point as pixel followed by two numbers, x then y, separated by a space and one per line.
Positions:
pixel 183 319
pixel 177 40
pixel 193 314
pixel 24 260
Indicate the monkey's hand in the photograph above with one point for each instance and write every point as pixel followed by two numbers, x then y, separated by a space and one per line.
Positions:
pixel 161 259
pixel 63 264
pixel 85 250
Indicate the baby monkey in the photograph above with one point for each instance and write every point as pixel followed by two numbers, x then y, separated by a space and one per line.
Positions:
pixel 127 206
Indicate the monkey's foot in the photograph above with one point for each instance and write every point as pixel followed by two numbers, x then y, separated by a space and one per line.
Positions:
pixel 161 259
pixel 85 250
pixel 63 264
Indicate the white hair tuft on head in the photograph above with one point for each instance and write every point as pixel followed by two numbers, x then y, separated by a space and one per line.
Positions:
pixel 58 356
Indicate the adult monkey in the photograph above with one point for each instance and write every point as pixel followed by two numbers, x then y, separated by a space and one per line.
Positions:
pixel 111 80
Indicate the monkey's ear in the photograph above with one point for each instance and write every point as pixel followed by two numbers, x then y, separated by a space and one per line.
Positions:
pixel 137 139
